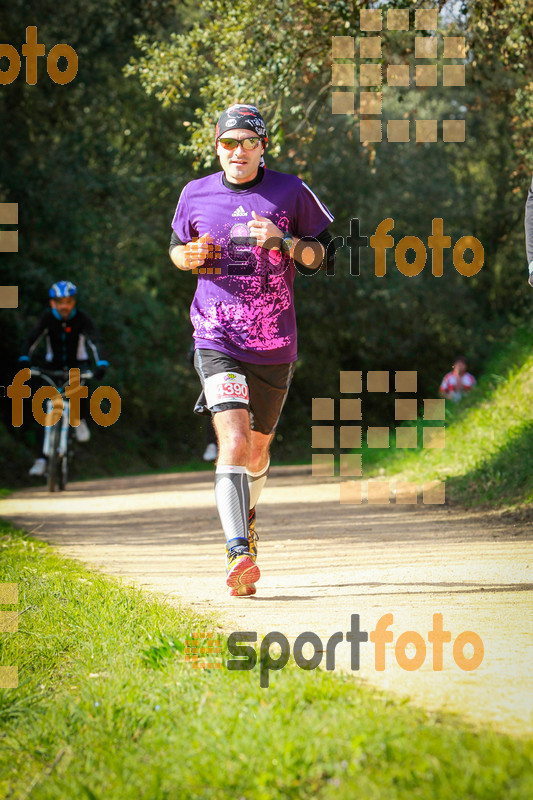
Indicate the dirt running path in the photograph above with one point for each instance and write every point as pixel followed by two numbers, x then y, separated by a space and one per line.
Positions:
pixel 322 562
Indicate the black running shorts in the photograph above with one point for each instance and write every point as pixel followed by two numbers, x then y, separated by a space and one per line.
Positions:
pixel 268 386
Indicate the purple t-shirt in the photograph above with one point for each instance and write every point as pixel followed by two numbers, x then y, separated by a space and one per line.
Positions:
pixel 244 301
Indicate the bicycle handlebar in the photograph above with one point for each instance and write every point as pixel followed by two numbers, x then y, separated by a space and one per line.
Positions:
pixel 51 375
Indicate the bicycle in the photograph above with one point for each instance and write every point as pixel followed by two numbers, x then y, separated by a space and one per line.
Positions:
pixel 57 444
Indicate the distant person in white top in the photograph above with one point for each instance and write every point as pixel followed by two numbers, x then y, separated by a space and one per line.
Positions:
pixel 457 382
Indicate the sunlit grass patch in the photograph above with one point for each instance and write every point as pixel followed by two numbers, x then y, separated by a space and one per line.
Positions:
pixel 108 707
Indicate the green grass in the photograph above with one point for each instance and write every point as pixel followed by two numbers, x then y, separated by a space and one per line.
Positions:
pixel 488 457
pixel 107 707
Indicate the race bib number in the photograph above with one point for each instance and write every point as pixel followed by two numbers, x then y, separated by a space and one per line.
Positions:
pixel 226 387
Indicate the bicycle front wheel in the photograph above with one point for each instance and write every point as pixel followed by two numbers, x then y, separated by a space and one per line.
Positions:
pixel 53 459
pixel 63 472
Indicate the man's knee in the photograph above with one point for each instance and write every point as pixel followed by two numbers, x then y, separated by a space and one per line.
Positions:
pixel 234 440
pixel 259 451
pixel 233 432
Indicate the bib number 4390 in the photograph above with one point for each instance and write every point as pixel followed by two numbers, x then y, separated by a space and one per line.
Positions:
pixel 226 387
pixel 232 391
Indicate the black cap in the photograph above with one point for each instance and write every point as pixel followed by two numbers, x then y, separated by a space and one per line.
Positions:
pixel 241 116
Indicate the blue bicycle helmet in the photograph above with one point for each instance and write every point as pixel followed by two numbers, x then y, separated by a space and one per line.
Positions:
pixel 63 289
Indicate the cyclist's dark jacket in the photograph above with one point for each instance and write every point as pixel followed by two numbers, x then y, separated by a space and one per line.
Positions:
pixel 67 341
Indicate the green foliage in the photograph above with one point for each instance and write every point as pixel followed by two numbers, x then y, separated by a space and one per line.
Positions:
pixel 501 38
pixel 488 458
pixel 279 59
pixel 282 62
pixel 94 170
pixel 163 647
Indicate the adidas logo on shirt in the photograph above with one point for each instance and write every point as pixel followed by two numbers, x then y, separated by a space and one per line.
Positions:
pixel 240 212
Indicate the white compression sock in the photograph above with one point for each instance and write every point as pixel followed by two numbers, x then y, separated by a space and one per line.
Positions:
pixel 232 498
pixel 256 481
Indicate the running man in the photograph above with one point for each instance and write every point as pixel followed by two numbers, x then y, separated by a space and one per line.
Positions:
pixel 456 383
pixel 241 227
pixel 68 333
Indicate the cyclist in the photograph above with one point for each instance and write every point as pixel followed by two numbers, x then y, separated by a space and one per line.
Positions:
pixel 68 333
pixel 243 313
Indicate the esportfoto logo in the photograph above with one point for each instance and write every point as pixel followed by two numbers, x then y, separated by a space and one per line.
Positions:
pixel 370 75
